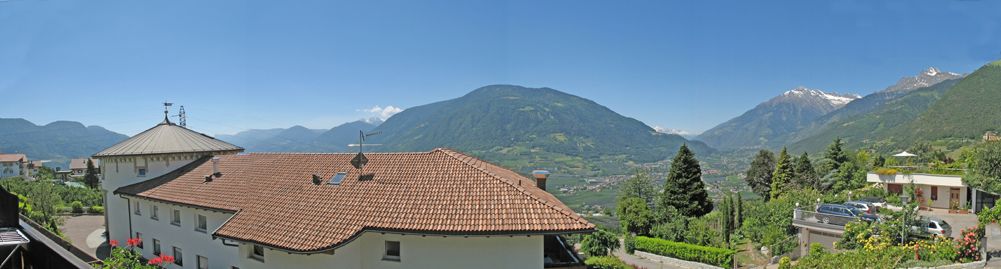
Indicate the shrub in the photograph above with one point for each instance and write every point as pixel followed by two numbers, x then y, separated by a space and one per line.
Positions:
pixel 77 207
pixel 629 243
pixel 785 263
pixel 886 171
pixel 709 255
pixel 96 209
pixel 599 243
pixel 606 262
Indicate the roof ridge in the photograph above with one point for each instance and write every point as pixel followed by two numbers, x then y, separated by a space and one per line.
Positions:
pixel 452 153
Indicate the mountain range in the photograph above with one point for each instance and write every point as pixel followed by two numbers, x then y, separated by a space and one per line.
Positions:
pixel 783 114
pixel 301 139
pixel 930 106
pixel 58 141
pixel 517 127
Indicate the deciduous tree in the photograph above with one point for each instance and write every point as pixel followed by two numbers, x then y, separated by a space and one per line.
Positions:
pixel 759 175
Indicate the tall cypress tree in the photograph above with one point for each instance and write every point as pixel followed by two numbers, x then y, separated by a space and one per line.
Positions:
pixel 806 176
pixel 739 211
pixel 683 189
pixel 784 174
pixel 759 175
pixel 90 175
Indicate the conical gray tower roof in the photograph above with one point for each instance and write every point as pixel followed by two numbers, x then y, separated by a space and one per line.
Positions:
pixel 165 138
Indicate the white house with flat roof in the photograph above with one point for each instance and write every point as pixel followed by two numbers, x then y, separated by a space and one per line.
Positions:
pixel 942 191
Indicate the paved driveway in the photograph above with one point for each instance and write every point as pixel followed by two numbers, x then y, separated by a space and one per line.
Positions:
pixel 85 232
pixel 957 221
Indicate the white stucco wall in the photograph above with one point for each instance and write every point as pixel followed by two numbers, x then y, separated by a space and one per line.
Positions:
pixel 925 182
pixel 416 252
pixel 10 169
pixel 121 171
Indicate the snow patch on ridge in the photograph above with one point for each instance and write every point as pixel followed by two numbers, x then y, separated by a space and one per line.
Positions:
pixel 833 98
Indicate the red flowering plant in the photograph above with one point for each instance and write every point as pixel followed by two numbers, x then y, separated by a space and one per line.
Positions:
pixel 129 257
pixel 969 244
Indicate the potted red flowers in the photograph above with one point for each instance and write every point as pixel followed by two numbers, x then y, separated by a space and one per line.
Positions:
pixel 129 257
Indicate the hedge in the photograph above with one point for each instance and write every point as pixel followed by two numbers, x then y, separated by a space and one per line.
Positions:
pixel 606 262
pixel 709 255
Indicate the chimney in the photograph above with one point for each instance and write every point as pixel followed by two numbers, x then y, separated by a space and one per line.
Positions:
pixel 540 178
pixel 215 167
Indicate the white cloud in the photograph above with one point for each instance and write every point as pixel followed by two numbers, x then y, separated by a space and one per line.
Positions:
pixel 664 130
pixel 382 113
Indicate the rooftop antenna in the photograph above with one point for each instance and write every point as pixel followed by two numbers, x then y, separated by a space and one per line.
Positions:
pixel 182 118
pixel 166 111
pixel 360 160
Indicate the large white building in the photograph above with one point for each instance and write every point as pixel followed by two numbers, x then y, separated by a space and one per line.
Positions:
pixel 201 200
pixel 12 165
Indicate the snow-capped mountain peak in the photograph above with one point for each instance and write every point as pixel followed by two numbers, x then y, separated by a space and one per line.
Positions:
pixel 932 71
pixel 928 77
pixel 833 98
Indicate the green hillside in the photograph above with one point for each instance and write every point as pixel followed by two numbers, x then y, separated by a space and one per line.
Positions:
pixel 968 110
pixel 58 141
pixel 523 128
pixel 880 125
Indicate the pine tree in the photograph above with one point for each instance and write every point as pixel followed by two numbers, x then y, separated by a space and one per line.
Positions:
pixel 784 174
pixel 835 154
pixel 90 175
pixel 684 189
pixel 759 175
pixel 806 176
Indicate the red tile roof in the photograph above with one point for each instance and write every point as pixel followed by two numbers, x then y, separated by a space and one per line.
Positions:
pixel 437 192
pixel 13 157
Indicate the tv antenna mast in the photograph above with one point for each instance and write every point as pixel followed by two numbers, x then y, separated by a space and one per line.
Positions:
pixel 182 119
pixel 360 160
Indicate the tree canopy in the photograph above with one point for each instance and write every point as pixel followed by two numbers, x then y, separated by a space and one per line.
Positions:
pixel 783 175
pixel 759 175
pixel 684 189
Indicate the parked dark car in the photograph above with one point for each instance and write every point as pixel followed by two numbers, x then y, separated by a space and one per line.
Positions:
pixel 841 214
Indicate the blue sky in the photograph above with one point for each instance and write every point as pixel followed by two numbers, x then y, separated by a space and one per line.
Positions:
pixel 238 65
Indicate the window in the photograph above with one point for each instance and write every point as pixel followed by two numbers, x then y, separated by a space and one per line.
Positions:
pixel 175 219
pixel 154 212
pixel 141 172
pixel 257 253
pixel 138 210
pixel 177 257
pixel 156 247
pixel 392 251
pixel 934 193
pixel 203 263
pixel 200 223
pixel 140 236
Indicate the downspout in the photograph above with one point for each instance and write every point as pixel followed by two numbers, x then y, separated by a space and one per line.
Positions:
pixel 129 212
